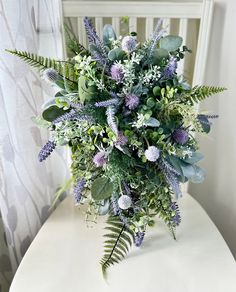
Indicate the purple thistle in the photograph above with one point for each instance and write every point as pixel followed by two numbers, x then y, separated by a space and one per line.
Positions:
pixel 131 101
pixel 106 103
pixel 110 113
pixel 117 73
pixel 51 75
pixel 99 52
pixel 100 159
pixel 121 139
pixel 138 240
pixel 175 218
pixel 128 44
pixel 46 150
pixel 170 68
pixel 78 190
pixel 180 136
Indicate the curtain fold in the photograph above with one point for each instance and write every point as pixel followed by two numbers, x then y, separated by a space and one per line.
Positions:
pixel 27 187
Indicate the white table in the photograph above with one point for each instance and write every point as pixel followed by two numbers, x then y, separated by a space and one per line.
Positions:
pixel 65 254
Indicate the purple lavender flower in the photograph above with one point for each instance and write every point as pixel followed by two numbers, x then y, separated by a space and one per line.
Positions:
pixel 100 52
pixel 121 139
pixel 152 153
pixel 76 105
pixel 170 68
pixel 180 136
pixel 128 44
pixel 67 116
pixel 117 73
pixel 100 158
pixel 46 150
pixel 110 113
pixel 175 218
pixel 106 103
pixel 51 75
pixel 157 34
pixel 78 190
pixel 138 240
pixel 131 101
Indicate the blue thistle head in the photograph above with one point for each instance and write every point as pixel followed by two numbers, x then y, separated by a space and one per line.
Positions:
pixel 46 150
pixel 180 136
pixel 100 159
pixel 117 73
pixel 121 139
pixel 51 75
pixel 131 101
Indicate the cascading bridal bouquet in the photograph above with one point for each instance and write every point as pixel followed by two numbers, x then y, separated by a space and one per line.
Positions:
pixel 130 122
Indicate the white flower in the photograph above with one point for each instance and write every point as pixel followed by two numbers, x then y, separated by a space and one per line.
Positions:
pixel 152 153
pixel 124 202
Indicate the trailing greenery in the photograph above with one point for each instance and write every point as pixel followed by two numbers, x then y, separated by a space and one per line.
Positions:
pixel 117 244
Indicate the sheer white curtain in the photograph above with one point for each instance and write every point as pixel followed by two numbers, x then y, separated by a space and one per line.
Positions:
pixel 27 187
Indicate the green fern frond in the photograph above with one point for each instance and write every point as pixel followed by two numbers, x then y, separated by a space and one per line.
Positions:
pixel 117 244
pixel 199 93
pixel 64 69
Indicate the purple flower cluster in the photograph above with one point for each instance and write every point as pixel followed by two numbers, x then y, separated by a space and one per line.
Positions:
pixel 121 139
pixel 117 73
pixel 131 101
pixel 128 44
pixel 180 136
pixel 46 150
pixel 175 218
pixel 66 117
pixel 100 159
pixel 138 240
pixel 78 190
pixel 106 103
pixel 170 68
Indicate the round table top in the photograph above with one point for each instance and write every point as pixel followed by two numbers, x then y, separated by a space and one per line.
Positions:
pixel 65 256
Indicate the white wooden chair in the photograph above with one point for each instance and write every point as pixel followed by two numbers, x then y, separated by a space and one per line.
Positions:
pixel 189 19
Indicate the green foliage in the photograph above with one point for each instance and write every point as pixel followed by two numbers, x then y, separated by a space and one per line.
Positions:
pixel 108 34
pixel 117 244
pixel 171 43
pixel 199 93
pixel 86 92
pixel 64 69
pixel 102 188
pixel 72 42
pixel 116 54
pixel 52 113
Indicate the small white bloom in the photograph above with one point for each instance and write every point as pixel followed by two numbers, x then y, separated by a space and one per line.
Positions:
pixel 124 202
pixel 152 153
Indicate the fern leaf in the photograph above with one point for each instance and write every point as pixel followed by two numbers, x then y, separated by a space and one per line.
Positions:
pixel 199 93
pixel 117 244
pixel 64 69
pixel 72 42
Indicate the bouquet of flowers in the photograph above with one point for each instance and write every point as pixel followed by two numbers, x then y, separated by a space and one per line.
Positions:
pixel 130 122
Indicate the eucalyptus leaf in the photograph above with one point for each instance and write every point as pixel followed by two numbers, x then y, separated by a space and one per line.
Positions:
pixel 199 175
pixel 152 122
pixel 104 207
pixel 101 189
pixel 108 34
pixel 116 54
pixel 206 126
pixel 158 55
pixel 195 157
pixel 48 103
pixel 52 112
pixel 171 43
pixel 86 93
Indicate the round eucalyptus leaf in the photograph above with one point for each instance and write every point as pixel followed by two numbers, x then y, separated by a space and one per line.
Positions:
pixel 101 189
pixel 108 34
pixel 171 43
pixel 116 54
pixel 52 113
pixel 104 207
pixel 158 55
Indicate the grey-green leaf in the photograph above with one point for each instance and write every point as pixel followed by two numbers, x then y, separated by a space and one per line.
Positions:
pixel 196 157
pixel 52 112
pixel 152 122
pixel 116 54
pixel 102 188
pixel 171 43
pixel 158 55
pixel 108 34
pixel 199 175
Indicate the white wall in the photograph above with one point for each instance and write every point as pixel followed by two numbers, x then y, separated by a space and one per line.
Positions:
pixel 218 193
